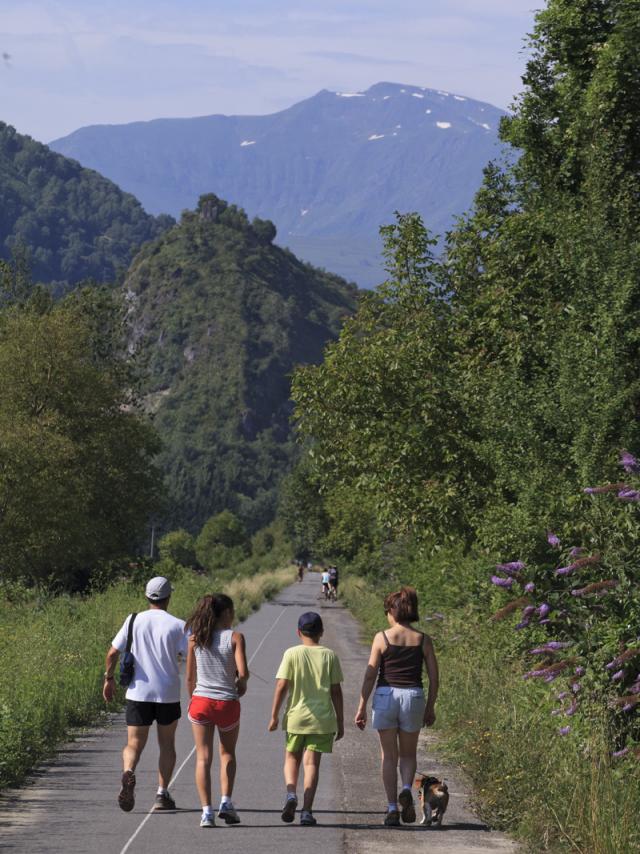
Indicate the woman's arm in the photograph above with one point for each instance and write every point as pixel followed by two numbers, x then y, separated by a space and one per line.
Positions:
pixel 191 667
pixel 240 652
pixel 282 686
pixel 431 663
pixel 369 680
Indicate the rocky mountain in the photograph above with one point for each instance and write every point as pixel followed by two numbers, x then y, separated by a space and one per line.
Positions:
pixel 220 318
pixel 73 223
pixel 328 171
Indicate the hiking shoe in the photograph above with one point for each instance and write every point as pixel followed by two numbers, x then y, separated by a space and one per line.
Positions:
pixel 392 819
pixel 227 813
pixel 207 820
pixel 164 802
pixel 126 798
pixel 307 819
pixel 289 810
pixel 405 799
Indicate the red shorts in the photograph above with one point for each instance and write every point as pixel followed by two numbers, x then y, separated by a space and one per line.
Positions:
pixel 225 714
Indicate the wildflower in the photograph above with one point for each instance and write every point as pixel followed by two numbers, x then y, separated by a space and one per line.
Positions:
pixel 509 608
pixel 544 610
pixel 566 570
pixel 576 687
pixel 598 587
pixel 565 730
pixel 529 587
pixel 620 659
pixel 618 753
pixel 544 622
pixel 501 582
pixel 609 487
pixel 618 676
pixel 580 671
pixel 629 463
pixel 573 708
pixel 553 540
pixel 513 566
pixel 628 707
pixel 552 646
pixel 576 551
pixel 563 695
pixel 629 495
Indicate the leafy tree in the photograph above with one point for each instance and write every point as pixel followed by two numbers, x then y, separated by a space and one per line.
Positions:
pixel 178 546
pixel 77 479
pixel 222 541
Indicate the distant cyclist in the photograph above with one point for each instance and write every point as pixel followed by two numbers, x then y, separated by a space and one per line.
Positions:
pixel 326 580
pixel 333 580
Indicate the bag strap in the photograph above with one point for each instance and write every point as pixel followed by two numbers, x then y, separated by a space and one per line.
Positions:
pixel 130 632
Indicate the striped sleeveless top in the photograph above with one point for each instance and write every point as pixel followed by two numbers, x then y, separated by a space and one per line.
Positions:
pixel 216 668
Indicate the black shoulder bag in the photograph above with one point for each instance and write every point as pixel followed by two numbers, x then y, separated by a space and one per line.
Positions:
pixel 127 661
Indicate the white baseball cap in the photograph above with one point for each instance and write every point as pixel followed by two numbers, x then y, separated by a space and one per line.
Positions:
pixel 158 588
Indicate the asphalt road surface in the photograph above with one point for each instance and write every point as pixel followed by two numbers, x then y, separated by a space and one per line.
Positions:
pixel 71 804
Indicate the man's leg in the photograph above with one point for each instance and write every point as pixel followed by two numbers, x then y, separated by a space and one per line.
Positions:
pixel 311 776
pixel 136 739
pixel 167 760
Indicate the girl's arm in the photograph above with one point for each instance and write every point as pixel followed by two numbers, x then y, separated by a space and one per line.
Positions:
pixel 240 652
pixel 191 667
pixel 369 681
pixel 431 664
pixel 282 686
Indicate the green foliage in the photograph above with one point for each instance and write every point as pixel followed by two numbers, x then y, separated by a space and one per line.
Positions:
pixel 77 480
pixel 178 546
pixel 73 223
pixel 220 319
pixel 222 541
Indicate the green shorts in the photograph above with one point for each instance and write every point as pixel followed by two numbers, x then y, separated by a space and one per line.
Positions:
pixel 320 743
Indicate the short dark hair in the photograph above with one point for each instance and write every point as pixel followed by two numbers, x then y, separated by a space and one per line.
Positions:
pixel 160 602
pixel 402 605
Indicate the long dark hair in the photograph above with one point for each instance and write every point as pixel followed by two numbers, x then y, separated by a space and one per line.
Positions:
pixel 402 605
pixel 206 615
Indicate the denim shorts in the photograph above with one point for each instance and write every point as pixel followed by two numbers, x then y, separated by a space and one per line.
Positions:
pixel 398 708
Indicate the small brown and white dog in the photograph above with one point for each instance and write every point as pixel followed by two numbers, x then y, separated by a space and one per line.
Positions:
pixel 433 795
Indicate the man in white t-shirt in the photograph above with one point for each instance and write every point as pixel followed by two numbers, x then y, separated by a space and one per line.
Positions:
pixel 154 690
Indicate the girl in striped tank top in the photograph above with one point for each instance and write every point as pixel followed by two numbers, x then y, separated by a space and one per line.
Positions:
pixel 217 675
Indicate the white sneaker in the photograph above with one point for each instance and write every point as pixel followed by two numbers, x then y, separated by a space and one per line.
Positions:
pixel 207 820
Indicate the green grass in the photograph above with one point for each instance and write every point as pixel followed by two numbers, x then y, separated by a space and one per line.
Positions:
pixel 52 652
pixel 552 793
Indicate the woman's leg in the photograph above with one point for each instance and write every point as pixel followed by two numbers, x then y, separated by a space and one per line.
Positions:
pixel 408 746
pixel 228 741
pixel 389 748
pixel 311 776
pixel 203 737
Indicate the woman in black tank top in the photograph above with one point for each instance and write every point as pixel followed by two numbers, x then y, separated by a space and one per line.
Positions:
pixel 397 658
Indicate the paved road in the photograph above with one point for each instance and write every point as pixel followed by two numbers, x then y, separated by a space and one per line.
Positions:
pixel 71 806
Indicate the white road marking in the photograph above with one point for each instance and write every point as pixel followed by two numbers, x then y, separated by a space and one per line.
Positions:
pixel 131 839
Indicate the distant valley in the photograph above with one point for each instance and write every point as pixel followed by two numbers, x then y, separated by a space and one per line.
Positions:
pixel 327 171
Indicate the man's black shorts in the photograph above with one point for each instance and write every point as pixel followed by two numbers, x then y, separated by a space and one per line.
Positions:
pixel 144 714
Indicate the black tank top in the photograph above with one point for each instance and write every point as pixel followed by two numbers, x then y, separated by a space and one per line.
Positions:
pixel 401 666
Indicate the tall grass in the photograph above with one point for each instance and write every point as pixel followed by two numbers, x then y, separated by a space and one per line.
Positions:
pixel 52 653
pixel 553 793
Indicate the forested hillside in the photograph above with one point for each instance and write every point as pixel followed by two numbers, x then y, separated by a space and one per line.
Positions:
pixel 220 319
pixel 328 171
pixel 73 223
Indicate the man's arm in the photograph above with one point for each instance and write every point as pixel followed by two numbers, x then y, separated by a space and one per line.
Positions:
pixel 109 685
pixel 282 686
pixel 338 705
pixel 240 652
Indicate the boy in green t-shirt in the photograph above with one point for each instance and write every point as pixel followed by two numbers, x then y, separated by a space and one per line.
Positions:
pixel 311 675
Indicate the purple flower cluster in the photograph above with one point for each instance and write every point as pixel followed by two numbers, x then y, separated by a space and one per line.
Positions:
pixel 629 463
pixel 553 540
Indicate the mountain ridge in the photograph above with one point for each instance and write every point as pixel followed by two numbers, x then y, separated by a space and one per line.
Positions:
pixel 328 170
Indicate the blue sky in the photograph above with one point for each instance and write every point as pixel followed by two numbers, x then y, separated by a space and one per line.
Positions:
pixel 78 62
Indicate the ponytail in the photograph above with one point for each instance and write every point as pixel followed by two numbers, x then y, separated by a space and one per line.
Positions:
pixel 402 605
pixel 206 616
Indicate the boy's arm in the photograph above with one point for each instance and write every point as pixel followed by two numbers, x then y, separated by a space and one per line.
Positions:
pixel 282 686
pixel 338 705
